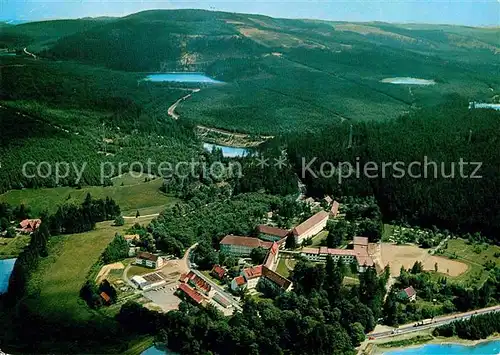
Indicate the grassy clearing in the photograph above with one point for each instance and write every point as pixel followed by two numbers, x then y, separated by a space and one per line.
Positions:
pixel 143 196
pixel 475 256
pixel 12 247
pixel 318 238
pixel 282 268
pixel 54 289
pixel 138 271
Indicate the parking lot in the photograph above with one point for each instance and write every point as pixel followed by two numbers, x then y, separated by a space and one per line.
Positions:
pixel 164 296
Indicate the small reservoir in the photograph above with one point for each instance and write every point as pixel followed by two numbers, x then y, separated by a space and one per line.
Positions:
pixel 181 77
pixel 228 152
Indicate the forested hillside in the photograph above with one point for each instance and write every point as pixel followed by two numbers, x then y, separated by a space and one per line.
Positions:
pixel 440 194
pixel 65 112
pixel 282 75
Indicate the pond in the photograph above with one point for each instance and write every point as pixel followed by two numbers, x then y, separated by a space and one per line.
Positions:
pixel 483 348
pixel 6 267
pixel 182 77
pixel 228 152
pixel 408 81
pixel 157 350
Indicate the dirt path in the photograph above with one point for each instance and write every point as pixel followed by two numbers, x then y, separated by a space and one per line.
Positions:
pixel 145 216
pixel 106 269
pixel 204 130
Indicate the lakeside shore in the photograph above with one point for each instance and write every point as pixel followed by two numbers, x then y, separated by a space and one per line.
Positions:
pixel 380 349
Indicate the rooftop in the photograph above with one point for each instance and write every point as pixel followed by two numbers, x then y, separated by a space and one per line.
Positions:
pixel 310 223
pixel 194 295
pixel 269 230
pixel 335 208
pixel 253 272
pixel 410 291
pixel 240 280
pixel 279 280
pixel 147 256
pixel 245 241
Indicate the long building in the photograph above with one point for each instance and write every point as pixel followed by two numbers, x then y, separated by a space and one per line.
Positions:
pixel 359 254
pixel 241 246
pixel 310 227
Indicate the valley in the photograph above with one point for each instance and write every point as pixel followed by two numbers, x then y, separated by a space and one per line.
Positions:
pixel 354 207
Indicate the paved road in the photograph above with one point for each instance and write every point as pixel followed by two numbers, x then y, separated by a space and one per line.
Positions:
pixel 234 301
pixel 408 328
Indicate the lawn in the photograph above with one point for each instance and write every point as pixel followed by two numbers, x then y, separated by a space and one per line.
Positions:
pixel 143 196
pixel 54 289
pixel 282 268
pixel 12 247
pixel 475 256
pixel 318 238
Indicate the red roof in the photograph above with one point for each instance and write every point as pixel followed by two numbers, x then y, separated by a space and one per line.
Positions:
pixel 147 256
pixel 269 230
pixel 310 223
pixel 253 272
pixel 245 241
pixel 105 297
pixel 335 208
pixel 240 280
pixel 198 282
pixel 194 295
pixel 219 271
pixel 276 278
pixel 30 225
pixel 271 255
pixel 410 291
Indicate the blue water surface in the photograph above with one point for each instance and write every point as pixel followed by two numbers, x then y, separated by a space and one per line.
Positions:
pixel 228 152
pixel 6 267
pixel 180 77
pixel 155 350
pixel 485 348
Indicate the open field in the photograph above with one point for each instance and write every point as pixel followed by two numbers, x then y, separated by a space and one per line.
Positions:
pixel 406 255
pixel 11 247
pixel 474 256
pixel 143 196
pixel 54 289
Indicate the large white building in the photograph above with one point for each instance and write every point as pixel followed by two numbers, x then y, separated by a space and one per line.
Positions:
pixel 241 246
pixel 149 260
pixel 310 227
pixel 359 254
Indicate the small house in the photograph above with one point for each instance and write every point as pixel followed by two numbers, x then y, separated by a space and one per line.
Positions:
pixel 408 293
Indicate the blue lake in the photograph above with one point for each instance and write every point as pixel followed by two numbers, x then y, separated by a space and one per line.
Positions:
pixel 180 77
pixel 228 152
pixel 486 348
pixel 154 350
pixel 6 267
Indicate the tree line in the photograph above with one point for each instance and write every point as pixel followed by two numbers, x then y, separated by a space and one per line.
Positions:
pixel 444 134
pixel 320 316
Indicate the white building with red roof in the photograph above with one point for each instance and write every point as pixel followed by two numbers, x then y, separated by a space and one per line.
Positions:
pixel 271 233
pixel 310 227
pixel 241 246
pixel 359 254
pixel 238 283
